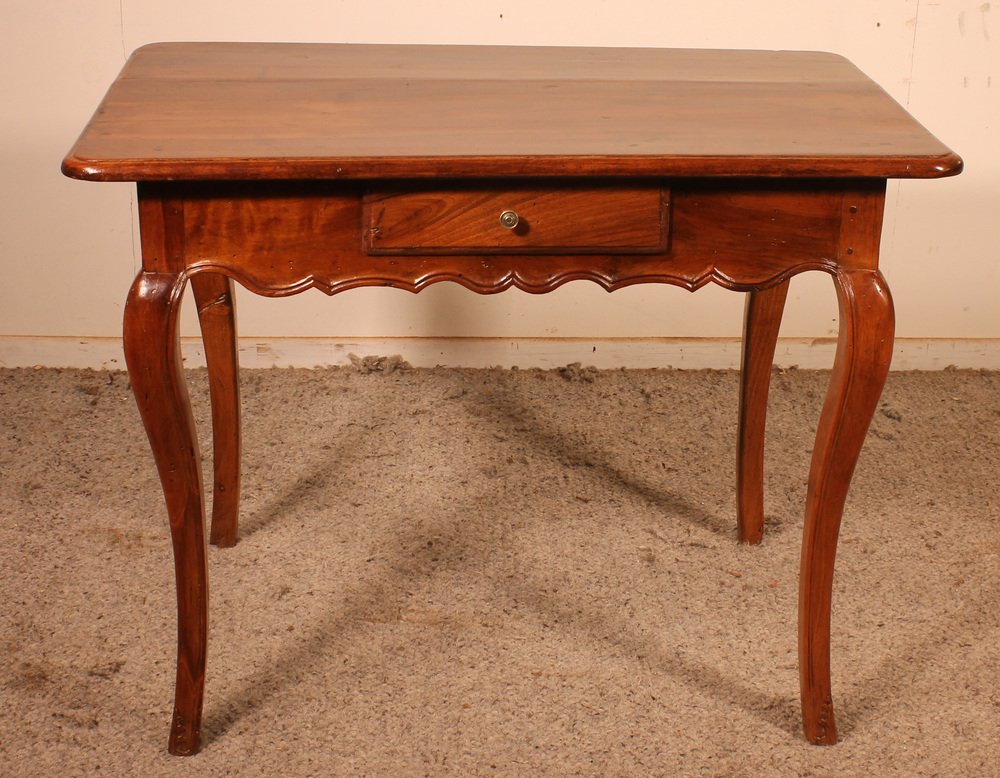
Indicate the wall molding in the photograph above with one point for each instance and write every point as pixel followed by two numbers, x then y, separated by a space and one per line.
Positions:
pixel 682 353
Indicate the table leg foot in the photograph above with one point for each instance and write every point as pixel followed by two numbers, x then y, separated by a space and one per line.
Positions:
pixel 761 321
pixel 152 353
pixel 864 350
pixel 214 295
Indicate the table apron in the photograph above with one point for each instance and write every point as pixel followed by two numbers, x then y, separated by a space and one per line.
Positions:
pixel 281 238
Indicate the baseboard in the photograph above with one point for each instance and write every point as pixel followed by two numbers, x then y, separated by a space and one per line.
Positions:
pixel 684 353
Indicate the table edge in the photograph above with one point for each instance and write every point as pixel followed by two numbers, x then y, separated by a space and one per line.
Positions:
pixel 361 168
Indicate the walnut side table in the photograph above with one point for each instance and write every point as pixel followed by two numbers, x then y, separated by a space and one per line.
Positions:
pixel 290 166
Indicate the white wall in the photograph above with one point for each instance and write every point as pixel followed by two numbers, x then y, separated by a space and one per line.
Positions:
pixel 68 251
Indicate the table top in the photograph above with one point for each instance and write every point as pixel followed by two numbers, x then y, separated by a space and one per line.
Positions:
pixel 206 111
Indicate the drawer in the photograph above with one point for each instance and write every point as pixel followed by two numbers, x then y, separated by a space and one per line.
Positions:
pixel 589 219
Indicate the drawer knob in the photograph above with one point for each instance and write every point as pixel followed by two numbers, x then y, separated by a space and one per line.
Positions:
pixel 509 219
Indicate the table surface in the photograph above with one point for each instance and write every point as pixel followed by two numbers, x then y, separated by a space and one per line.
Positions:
pixel 202 111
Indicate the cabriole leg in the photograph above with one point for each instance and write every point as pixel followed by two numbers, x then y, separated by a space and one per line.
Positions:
pixel 761 321
pixel 152 353
pixel 214 295
pixel 864 350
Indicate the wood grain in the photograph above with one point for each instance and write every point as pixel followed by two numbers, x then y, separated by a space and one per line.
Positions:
pixel 282 238
pixel 280 111
pixel 566 219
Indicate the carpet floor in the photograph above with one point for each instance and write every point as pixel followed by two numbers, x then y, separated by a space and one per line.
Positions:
pixel 490 572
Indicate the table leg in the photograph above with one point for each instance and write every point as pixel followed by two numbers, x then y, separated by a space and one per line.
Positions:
pixel 864 350
pixel 214 295
pixel 152 353
pixel 761 320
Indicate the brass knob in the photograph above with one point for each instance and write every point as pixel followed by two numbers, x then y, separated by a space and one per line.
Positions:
pixel 509 219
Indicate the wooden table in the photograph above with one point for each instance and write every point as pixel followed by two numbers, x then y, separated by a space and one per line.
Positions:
pixel 289 166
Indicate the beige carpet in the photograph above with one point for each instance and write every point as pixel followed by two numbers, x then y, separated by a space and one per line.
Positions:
pixel 518 573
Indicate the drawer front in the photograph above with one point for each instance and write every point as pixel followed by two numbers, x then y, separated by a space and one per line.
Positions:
pixel 552 220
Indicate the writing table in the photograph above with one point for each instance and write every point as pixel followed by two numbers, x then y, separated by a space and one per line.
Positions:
pixel 285 167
